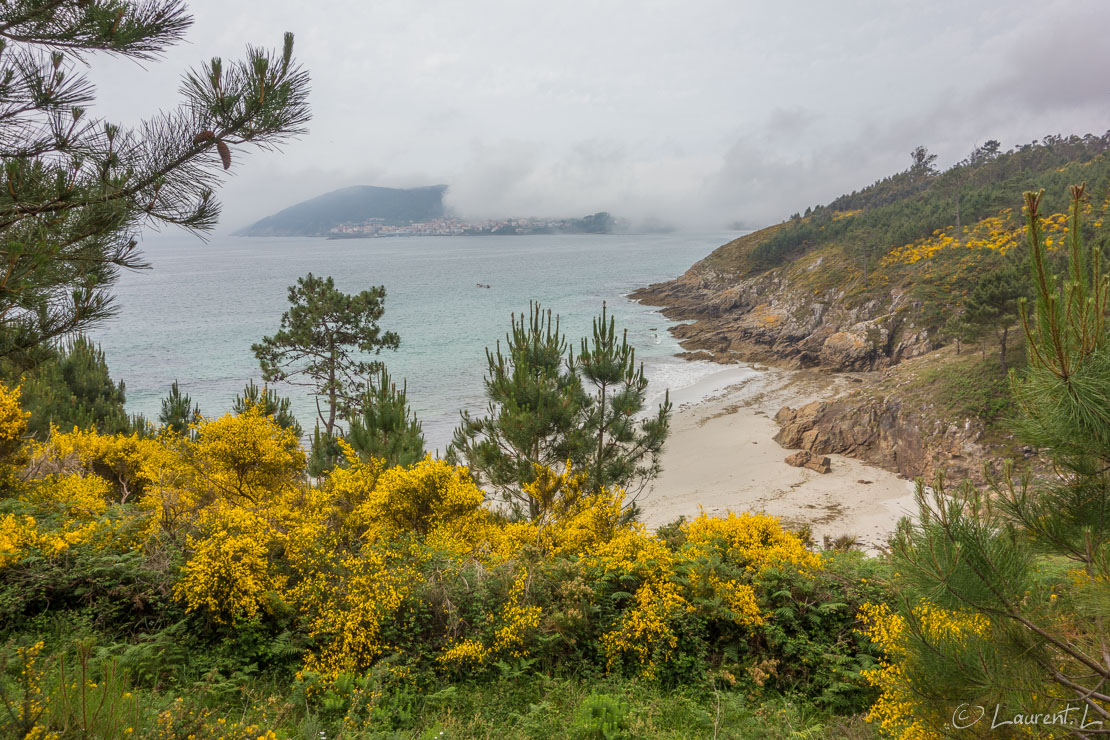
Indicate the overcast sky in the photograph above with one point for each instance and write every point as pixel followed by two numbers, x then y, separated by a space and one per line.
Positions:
pixel 696 112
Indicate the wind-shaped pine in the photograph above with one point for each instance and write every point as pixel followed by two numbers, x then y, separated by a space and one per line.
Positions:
pixel 387 428
pixel 322 343
pixel 623 450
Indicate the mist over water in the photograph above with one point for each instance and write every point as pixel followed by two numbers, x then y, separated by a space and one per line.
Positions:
pixel 194 316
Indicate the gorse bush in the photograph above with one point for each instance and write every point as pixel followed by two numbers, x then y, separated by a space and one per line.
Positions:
pixel 402 573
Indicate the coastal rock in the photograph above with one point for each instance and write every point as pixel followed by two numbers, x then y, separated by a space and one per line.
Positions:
pixel 806 459
pixel 882 433
pixel 779 318
pixel 848 350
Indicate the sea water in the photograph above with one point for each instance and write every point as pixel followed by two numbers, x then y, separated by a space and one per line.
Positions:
pixel 194 316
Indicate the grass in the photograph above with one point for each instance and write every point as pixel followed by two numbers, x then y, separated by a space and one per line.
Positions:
pixel 513 705
pixel 971 385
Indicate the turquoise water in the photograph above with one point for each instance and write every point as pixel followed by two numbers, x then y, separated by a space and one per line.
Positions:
pixel 194 316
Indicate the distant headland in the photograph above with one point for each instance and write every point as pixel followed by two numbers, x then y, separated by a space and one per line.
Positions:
pixel 366 211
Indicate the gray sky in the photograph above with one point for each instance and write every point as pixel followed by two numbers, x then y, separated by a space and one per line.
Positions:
pixel 696 112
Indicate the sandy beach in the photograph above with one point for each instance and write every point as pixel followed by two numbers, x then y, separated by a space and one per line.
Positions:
pixel 720 455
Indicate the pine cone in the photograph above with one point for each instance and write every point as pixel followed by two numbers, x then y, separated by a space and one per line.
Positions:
pixel 203 136
pixel 225 153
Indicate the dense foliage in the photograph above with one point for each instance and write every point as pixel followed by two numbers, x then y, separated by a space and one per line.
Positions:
pixel 548 406
pixel 213 552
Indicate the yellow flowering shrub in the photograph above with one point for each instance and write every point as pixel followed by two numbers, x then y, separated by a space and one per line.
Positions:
pixel 595 519
pixel 21 535
pixel 740 599
pixel 645 632
pixel 347 609
pixel 17 533
pixel 230 573
pixel 753 540
pixel 516 622
pixel 131 462
pixel 249 456
pixel 899 710
pixel 466 653
pixel 348 485
pixel 13 425
pixel 632 551
pixel 429 495
pixel 72 495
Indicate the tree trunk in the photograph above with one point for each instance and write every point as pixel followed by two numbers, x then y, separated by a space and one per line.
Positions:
pixel 600 438
pixel 331 393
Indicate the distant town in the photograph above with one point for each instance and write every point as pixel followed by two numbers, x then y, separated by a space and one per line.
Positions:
pixel 598 223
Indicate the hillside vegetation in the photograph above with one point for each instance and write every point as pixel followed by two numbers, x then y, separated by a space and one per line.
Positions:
pixel 919 261
pixel 199 585
pixel 874 276
pixel 318 216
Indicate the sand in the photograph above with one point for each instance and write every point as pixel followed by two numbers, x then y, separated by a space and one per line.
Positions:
pixel 720 456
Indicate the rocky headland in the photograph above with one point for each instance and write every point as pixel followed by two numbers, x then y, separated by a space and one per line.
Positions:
pixel 888 379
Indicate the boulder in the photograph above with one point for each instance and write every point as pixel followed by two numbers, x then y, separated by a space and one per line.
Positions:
pixel 806 459
pixel 848 350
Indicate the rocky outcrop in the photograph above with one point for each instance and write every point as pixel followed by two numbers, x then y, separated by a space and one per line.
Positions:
pixel 777 317
pixel 883 433
pixel 806 459
pixel 817 312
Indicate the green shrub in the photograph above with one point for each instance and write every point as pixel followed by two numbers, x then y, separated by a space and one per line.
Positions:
pixel 601 717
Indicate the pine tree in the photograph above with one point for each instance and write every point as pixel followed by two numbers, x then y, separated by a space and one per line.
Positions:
pixel 178 412
pixel 994 301
pixel 269 403
pixel 541 416
pixel 387 429
pixel 621 451
pixel 74 389
pixel 324 452
pixel 75 190
pixel 1031 556
pixel 318 344
pixel 533 419
pixel 958 329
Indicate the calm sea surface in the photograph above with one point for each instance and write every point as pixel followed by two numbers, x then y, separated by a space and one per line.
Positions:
pixel 194 316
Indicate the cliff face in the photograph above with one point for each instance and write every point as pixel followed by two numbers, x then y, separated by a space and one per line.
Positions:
pixel 888 434
pixel 791 317
pixel 905 413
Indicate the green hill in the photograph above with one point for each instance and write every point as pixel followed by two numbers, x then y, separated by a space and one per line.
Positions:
pixel 903 286
pixel 356 204
pixel 872 278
